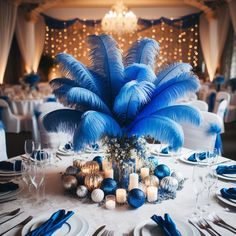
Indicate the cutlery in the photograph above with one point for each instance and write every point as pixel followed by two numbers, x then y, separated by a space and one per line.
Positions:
pixel 210 227
pixel 10 213
pixel 8 200
pixel 203 226
pixel 11 218
pixel 201 233
pixel 98 230
pixel 218 221
pixel 58 157
pixel 22 223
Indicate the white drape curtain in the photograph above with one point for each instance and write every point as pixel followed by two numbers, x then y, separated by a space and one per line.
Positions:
pixel 213 34
pixel 8 12
pixel 30 36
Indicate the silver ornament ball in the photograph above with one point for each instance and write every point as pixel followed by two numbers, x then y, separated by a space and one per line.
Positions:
pixel 169 184
pixel 97 195
pixel 179 176
pixel 82 191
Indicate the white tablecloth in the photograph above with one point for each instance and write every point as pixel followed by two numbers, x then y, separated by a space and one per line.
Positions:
pixel 122 219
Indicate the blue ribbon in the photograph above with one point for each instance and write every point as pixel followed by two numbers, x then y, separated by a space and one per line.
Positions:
pixel 215 129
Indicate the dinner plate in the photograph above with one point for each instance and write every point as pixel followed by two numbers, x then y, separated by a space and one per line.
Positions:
pixel 100 150
pixel 231 202
pixel 184 158
pixel 10 194
pixel 230 177
pixel 65 153
pixel 75 226
pixel 150 228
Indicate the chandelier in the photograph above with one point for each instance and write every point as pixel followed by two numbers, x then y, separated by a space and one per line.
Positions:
pixel 119 20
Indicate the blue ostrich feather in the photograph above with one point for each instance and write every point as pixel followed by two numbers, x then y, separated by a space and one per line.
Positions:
pixel 172 71
pixel 62 91
pixel 107 62
pixel 160 128
pixel 219 79
pixel 131 98
pixel 62 120
pixel 143 51
pixel 31 78
pixel 58 82
pixel 77 71
pixel 181 114
pixel 167 93
pixel 94 125
pixel 139 72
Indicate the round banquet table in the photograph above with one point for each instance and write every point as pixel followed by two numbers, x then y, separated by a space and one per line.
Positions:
pixel 24 107
pixel 123 219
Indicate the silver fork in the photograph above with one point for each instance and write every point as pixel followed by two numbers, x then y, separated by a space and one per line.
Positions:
pixel 218 221
pixel 10 213
pixel 201 233
pixel 210 227
pixel 201 226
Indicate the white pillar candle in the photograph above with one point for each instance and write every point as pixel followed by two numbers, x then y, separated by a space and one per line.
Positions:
pixel 121 195
pixel 133 181
pixel 109 173
pixel 144 172
pixel 151 194
pixel 110 202
pixel 106 165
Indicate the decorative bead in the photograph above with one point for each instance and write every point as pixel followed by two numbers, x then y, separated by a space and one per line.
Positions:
pixel 170 184
pixel 136 198
pixel 151 180
pixel 109 186
pixel 82 191
pixel 97 195
pixel 90 167
pixel 93 181
pixel 179 176
pixel 69 182
pixel 162 171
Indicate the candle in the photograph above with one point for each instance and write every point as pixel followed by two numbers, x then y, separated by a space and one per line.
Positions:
pixel 106 165
pixel 133 181
pixel 151 194
pixel 109 173
pixel 110 202
pixel 144 172
pixel 121 195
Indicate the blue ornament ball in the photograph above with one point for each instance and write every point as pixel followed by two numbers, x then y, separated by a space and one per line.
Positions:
pixel 136 198
pixel 153 160
pixel 108 186
pixel 99 160
pixel 162 171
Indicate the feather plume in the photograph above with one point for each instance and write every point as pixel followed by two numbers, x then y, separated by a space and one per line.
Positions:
pixel 107 62
pixel 172 71
pixel 167 93
pixel 139 72
pixel 143 51
pixel 62 91
pixel 75 70
pixel 160 128
pixel 94 125
pixel 181 114
pixel 58 82
pixel 131 98
pixel 62 120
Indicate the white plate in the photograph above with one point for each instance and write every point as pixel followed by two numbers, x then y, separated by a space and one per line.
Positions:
pixel 75 226
pixel 100 150
pixel 9 173
pixel 184 158
pixel 70 153
pixel 150 228
pixel 230 177
pixel 10 194
pixel 231 202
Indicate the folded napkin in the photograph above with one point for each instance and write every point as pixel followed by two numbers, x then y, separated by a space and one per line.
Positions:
pixel 165 150
pixel 11 166
pixel 68 146
pixel 10 186
pixel 95 147
pixel 39 155
pixel 228 193
pixel 221 170
pixel 201 156
pixel 54 223
pixel 167 225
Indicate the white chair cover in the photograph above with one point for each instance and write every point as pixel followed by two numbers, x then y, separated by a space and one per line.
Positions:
pixel 219 98
pixel 198 138
pixel 3 152
pixel 201 105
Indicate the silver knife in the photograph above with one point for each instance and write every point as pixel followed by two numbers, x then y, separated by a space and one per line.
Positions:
pixel 98 230
pixel 10 218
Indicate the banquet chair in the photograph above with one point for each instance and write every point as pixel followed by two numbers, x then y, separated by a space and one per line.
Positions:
pixel 200 138
pixel 42 108
pixel 201 105
pixel 14 123
pixel 3 153
pixel 219 98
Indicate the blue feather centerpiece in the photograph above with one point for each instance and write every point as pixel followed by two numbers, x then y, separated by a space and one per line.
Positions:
pixel 31 79
pixel 122 99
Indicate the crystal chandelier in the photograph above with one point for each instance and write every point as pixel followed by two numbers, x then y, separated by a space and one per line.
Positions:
pixel 119 20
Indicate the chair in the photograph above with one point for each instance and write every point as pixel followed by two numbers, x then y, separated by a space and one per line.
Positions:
pixel 201 105
pixel 3 153
pixel 220 96
pixel 42 108
pixel 199 138
pixel 14 123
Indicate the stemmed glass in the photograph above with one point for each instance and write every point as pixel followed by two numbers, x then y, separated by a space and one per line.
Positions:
pixel 29 147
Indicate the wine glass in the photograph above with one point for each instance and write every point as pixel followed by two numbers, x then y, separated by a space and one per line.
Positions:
pixel 29 147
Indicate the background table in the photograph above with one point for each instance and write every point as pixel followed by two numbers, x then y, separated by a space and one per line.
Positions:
pixel 122 219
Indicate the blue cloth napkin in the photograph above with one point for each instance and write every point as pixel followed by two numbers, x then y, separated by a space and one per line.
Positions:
pixel 10 186
pixel 68 146
pixel 167 225
pixel 95 147
pixel 201 156
pixel 39 155
pixel 11 166
pixel 54 223
pixel 228 193
pixel 165 150
pixel 221 170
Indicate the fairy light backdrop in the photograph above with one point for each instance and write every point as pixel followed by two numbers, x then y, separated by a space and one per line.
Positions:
pixel 178 38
